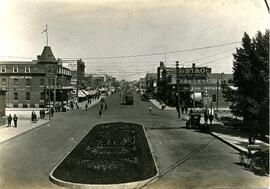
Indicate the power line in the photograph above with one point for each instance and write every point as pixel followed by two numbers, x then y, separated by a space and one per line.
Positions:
pixel 211 62
pixel 154 54
pixel 209 56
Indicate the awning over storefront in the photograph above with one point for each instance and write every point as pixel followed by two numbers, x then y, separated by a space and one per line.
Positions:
pixel 81 94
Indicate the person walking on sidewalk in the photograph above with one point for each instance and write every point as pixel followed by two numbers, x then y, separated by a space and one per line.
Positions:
pixel 182 109
pixel 206 116
pixel 150 109
pixel 15 119
pixel 100 113
pixel 9 119
pixel 86 107
pixel 211 117
pixel 52 111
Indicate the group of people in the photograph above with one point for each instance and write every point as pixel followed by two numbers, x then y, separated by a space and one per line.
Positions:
pixel 10 118
pixel 42 114
pixel 208 116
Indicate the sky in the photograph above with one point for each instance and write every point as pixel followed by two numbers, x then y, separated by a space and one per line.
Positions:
pixel 100 29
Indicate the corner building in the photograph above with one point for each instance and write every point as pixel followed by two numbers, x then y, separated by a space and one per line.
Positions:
pixel 27 85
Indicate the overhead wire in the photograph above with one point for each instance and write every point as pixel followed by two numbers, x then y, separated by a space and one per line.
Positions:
pixel 153 54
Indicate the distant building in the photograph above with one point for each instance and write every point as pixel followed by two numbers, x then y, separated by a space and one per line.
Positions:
pixel 28 84
pixel 151 83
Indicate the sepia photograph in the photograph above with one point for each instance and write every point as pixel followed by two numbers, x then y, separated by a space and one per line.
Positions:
pixel 134 94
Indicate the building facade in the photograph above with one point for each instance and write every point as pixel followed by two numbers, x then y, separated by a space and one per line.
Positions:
pixel 198 83
pixel 33 84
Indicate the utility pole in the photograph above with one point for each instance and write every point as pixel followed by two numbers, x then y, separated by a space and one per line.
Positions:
pixel 177 87
pixel 217 94
pixel 193 71
pixel 49 98
pixel 54 82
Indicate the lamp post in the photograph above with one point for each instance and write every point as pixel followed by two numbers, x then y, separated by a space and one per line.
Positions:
pixel 177 87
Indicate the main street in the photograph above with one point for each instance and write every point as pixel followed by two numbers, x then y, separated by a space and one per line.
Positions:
pixel 185 158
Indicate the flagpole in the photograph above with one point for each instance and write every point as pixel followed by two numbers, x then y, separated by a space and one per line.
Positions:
pixel 47 35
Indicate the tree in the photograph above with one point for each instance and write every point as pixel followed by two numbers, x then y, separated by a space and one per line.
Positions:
pixel 251 78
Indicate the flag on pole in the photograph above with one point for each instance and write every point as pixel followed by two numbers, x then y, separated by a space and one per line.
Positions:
pixel 45 29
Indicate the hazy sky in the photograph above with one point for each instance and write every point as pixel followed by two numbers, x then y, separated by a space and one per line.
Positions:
pixel 98 28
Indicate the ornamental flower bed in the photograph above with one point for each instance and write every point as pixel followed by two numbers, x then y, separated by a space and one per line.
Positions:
pixel 110 153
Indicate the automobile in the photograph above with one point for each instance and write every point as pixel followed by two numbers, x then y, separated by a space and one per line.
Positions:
pixel 194 122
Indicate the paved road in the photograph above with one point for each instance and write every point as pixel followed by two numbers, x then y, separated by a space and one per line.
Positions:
pixel 186 158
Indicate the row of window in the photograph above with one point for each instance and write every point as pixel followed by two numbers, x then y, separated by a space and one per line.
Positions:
pixel 27 96
pixel 16 82
pixel 27 69
pixel 28 82
pixel 15 69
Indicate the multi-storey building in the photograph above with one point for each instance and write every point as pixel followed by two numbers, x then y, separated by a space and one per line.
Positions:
pixel 33 84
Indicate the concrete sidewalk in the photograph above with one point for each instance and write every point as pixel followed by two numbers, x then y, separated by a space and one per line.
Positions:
pixel 239 143
pixel 25 125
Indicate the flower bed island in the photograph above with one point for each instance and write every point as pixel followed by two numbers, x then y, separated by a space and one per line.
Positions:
pixel 110 153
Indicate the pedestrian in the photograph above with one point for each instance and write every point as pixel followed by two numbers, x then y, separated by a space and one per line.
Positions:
pixel 52 111
pixel 71 105
pixel 163 106
pixel 186 109
pixel 150 109
pixel 211 117
pixel 40 114
pixel 206 116
pixel 86 107
pixel 182 109
pixel 43 113
pixel 9 119
pixel 100 113
pixel 15 119
pixel 33 116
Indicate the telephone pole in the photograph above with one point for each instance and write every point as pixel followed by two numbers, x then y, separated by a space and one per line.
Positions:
pixel 177 87
pixel 193 71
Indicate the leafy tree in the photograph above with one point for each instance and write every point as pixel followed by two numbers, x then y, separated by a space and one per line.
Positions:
pixel 251 78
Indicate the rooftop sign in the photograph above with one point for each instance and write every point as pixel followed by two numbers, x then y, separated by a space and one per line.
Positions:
pixel 188 73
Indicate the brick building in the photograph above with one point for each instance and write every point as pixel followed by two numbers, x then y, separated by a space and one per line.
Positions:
pixel 29 84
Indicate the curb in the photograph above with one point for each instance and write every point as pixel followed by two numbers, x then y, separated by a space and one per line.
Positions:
pixel 128 185
pixel 228 143
pixel 20 134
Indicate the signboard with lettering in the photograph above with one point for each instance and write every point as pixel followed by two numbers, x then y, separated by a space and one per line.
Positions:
pixel 188 73
pixel 70 65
